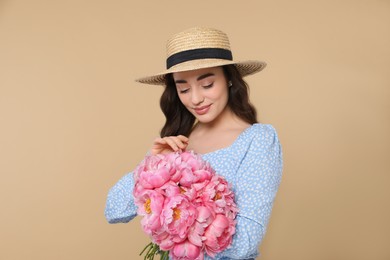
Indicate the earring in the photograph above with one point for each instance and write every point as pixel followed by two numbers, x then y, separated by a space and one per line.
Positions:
pixel 230 83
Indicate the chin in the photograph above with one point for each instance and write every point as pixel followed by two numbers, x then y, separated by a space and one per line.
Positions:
pixel 204 120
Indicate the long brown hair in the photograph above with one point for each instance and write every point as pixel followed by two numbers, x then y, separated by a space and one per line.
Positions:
pixel 179 121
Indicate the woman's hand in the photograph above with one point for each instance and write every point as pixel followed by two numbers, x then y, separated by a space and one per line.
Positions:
pixel 169 144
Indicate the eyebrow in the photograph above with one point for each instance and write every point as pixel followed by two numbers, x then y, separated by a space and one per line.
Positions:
pixel 199 78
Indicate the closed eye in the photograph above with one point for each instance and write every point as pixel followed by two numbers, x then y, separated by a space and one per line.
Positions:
pixel 208 86
pixel 182 91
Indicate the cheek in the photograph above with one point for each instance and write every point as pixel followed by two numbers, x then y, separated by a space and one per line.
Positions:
pixel 222 95
pixel 183 99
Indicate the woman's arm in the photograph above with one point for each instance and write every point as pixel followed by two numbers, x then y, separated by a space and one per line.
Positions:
pixel 120 207
pixel 258 178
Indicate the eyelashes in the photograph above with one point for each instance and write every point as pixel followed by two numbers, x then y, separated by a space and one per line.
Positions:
pixel 208 86
pixel 183 91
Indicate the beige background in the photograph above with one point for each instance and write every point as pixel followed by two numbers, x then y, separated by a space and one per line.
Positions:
pixel 73 121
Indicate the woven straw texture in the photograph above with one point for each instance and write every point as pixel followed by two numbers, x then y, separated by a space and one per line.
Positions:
pixel 196 38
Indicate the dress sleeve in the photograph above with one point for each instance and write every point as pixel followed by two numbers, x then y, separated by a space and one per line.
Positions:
pixel 258 179
pixel 120 207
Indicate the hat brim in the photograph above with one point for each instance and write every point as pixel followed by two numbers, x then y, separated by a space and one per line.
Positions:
pixel 244 67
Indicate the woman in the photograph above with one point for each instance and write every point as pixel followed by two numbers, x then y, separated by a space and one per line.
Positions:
pixel 207 110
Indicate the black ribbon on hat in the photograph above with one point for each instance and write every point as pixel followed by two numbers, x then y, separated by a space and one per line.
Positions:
pixel 203 53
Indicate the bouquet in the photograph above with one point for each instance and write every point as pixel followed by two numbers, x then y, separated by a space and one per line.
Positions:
pixel 187 209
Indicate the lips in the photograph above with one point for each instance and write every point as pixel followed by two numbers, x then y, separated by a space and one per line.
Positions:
pixel 202 110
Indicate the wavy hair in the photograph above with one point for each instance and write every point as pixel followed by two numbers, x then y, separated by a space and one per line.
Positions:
pixel 179 121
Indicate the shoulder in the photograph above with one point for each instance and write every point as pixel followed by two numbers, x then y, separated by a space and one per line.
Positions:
pixel 264 149
pixel 262 132
pixel 262 128
pixel 262 140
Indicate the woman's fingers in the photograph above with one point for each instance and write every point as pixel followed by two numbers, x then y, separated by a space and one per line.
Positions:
pixel 176 142
pixel 172 142
pixel 159 141
pixel 183 139
pixel 169 144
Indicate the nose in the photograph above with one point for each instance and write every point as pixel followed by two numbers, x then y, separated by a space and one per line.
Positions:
pixel 196 97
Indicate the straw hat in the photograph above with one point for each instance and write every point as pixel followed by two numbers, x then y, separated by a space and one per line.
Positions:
pixel 198 48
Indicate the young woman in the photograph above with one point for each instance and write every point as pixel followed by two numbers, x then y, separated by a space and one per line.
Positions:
pixel 207 109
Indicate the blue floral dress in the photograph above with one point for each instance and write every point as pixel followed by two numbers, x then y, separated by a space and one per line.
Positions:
pixel 252 164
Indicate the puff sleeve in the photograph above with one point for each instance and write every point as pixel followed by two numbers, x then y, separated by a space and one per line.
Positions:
pixel 120 207
pixel 257 180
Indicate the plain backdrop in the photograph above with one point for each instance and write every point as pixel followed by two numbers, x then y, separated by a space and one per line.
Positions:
pixel 73 121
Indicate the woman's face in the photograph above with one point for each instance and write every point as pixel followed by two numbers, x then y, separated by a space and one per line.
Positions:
pixel 204 92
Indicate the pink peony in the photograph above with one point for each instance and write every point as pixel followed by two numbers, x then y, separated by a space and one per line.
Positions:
pixel 149 163
pixel 219 234
pixel 170 189
pixel 163 239
pixel 193 169
pixel 218 195
pixel 154 171
pixel 178 216
pixel 204 219
pixel 154 179
pixel 174 159
pixel 186 251
pixel 150 206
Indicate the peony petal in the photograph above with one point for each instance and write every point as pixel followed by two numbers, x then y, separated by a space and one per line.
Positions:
pixel 185 250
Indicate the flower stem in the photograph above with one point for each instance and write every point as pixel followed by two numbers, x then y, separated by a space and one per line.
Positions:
pixel 152 250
